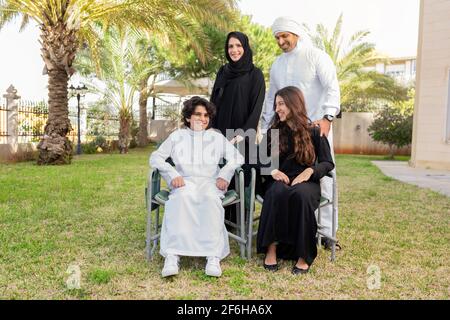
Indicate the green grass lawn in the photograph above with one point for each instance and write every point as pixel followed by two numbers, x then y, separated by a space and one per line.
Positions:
pixel 92 214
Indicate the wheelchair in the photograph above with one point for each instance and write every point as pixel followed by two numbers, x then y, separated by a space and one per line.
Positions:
pixel 156 197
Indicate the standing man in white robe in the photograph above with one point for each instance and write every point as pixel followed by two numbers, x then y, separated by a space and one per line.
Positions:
pixel 313 72
pixel 193 223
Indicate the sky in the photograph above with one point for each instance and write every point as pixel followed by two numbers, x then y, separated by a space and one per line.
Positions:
pixel 393 25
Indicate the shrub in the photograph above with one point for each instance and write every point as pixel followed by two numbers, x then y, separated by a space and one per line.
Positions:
pixel 93 146
pixel 393 125
pixel 88 148
pixel 100 142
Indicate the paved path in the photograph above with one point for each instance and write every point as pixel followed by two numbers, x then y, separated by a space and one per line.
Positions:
pixel 436 180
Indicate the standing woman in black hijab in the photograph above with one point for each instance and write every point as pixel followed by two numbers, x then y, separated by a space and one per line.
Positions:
pixel 238 94
pixel 239 89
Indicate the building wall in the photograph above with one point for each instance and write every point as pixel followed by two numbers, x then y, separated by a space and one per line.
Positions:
pixel 431 143
pixel 350 136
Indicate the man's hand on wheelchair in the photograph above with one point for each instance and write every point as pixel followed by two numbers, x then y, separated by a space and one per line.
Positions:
pixel 177 182
pixel 222 184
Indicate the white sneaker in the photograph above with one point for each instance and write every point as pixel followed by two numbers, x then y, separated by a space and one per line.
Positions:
pixel 170 266
pixel 213 267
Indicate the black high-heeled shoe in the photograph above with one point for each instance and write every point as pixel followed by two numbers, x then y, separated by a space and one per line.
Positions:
pixel 270 267
pixel 296 271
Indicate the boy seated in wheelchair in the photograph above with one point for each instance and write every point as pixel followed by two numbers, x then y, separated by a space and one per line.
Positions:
pixel 193 223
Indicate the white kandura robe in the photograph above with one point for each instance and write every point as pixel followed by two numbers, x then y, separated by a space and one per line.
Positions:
pixel 193 223
pixel 313 72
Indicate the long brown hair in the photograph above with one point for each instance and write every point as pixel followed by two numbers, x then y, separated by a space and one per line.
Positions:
pixel 299 123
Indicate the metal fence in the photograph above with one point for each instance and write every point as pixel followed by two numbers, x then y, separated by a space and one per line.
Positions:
pixel 167 111
pixel 104 125
pixel 24 121
pixel 167 107
pixel 32 117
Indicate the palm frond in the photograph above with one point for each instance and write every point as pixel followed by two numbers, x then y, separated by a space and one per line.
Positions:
pixel 358 87
pixel 24 23
pixel 89 37
pixel 7 16
pixel 336 37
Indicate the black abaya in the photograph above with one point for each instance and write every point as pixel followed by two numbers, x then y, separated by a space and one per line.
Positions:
pixel 240 104
pixel 287 216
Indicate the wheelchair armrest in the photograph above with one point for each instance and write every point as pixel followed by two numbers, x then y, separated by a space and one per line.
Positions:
pixel 153 176
pixel 153 187
pixel 331 174
pixel 238 176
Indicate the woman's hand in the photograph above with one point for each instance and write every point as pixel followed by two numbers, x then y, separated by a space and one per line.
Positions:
pixel 222 184
pixel 277 175
pixel 303 177
pixel 177 182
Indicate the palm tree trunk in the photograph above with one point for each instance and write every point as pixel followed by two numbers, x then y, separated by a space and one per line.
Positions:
pixel 143 119
pixel 59 46
pixel 124 131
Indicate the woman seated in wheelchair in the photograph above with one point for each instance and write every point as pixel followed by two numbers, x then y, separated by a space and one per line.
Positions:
pixel 193 223
pixel 288 226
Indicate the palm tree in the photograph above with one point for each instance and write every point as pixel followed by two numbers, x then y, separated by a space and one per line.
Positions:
pixel 120 73
pixel 359 88
pixel 147 64
pixel 154 55
pixel 116 86
pixel 65 24
pixel 145 56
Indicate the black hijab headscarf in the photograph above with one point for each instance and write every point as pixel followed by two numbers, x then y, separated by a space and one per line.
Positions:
pixel 232 69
